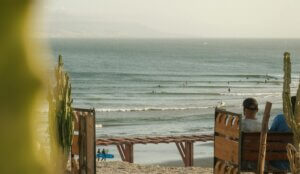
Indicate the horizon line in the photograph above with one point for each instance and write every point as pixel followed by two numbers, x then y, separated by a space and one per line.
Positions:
pixel 195 38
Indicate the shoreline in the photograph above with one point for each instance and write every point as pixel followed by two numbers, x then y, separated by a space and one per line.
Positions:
pixel 206 162
pixel 131 168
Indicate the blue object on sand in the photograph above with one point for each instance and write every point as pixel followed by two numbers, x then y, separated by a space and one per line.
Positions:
pixel 105 156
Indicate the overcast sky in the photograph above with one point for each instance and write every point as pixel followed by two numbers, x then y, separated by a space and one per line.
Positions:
pixel 172 18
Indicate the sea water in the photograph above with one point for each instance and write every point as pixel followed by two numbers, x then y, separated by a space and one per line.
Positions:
pixel 159 87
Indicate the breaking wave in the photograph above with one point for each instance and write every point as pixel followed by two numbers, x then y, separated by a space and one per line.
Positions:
pixel 148 109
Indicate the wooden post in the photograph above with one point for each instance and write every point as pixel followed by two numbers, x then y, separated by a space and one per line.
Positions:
pixel 121 151
pixel 90 143
pixel 75 145
pixel 263 139
pixel 126 152
pixel 189 153
pixel 186 151
pixel 86 140
pixel 82 145
pixel 129 153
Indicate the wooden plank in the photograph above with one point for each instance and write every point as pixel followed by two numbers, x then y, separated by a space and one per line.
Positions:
pixel 226 149
pixel 82 145
pixel 189 153
pixel 217 167
pixel 120 140
pixel 128 152
pixel 154 140
pixel 75 121
pixel 263 139
pixel 103 140
pixel 121 152
pixel 90 143
pixel 75 145
pixel 272 136
pixel 220 167
pixel 227 125
pixel 140 140
pixel 271 146
pixel 180 149
pixel 282 137
pixel 253 156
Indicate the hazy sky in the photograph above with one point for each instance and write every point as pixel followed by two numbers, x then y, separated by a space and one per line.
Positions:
pixel 172 18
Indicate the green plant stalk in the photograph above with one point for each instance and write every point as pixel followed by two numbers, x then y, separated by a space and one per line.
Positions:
pixel 292 119
pixel 60 114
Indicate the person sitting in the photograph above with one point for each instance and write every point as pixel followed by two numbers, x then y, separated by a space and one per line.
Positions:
pixel 279 125
pixel 250 123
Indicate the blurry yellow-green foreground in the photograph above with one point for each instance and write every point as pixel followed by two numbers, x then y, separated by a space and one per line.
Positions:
pixel 21 86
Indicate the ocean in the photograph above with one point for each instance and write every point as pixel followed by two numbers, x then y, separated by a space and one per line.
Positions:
pixel 158 87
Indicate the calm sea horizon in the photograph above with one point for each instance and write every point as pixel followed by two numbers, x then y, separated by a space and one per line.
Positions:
pixel 157 87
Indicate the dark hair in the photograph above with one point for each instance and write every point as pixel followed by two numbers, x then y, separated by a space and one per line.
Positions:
pixel 250 103
pixel 293 101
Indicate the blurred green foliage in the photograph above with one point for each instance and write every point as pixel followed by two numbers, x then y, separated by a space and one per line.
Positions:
pixel 22 85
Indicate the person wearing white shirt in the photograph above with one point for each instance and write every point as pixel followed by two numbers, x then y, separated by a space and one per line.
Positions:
pixel 250 123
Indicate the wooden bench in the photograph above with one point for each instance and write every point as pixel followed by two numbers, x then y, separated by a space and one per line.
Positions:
pixel 232 147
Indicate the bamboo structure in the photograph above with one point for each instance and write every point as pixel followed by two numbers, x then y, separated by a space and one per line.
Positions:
pixel 292 117
pixel 263 139
pixel 60 112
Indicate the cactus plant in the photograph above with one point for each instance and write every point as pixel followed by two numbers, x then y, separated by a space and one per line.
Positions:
pixel 292 118
pixel 60 113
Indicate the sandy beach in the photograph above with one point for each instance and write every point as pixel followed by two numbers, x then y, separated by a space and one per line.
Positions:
pixel 201 165
pixel 128 168
pixel 198 162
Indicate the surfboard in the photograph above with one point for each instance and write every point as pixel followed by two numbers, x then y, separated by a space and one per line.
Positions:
pixel 105 156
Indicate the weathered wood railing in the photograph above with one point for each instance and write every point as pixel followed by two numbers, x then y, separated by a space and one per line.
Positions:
pixel 185 145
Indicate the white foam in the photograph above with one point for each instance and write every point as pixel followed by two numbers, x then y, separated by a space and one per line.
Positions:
pixel 147 109
pixel 252 94
pixel 98 125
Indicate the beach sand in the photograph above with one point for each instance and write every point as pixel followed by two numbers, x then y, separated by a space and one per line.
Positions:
pixel 119 167
pixel 199 162
pixel 202 165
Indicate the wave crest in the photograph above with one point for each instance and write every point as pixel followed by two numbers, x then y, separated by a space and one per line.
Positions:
pixel 148 109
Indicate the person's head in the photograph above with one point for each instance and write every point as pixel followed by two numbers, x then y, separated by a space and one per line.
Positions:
pixel 293 101
pixel 250 108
